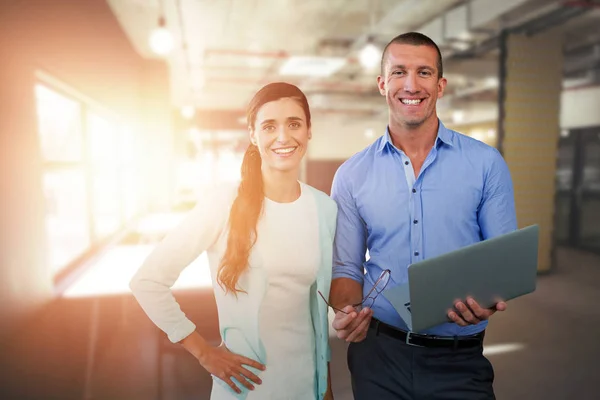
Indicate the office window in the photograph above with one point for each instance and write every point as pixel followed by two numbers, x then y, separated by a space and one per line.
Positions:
pixel 67 227
pixel 106 205
pixel 63 178
pixel 129 180
pixel 89 175
pixel 59 126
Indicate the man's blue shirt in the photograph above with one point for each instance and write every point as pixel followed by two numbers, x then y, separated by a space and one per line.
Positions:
pixel 462 195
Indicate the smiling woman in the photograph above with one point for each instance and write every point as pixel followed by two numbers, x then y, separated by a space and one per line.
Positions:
pixel 265 273
pixel 279 128
pixel 281 132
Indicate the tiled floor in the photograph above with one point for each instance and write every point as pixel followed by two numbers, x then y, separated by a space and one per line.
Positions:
pixel 104 348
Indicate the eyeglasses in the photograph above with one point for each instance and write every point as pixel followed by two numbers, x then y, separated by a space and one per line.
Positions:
pixel 369 299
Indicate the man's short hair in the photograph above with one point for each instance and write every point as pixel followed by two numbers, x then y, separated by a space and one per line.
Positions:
pixel 414 39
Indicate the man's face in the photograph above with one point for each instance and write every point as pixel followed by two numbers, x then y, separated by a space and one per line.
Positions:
pixel 410 84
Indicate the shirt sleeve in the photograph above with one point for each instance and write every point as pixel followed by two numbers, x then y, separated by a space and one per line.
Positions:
pixel 497 213
pixel 350 244
pixel 151 285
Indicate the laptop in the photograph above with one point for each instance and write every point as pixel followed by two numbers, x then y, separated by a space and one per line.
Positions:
pixel 500 268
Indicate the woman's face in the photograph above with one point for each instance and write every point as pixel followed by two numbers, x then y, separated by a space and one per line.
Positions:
pixel 281 133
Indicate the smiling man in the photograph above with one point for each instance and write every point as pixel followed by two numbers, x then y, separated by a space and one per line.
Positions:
pixel 418 191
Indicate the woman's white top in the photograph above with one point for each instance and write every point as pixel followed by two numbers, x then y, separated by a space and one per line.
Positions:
pixel 290 254
pixel 288 250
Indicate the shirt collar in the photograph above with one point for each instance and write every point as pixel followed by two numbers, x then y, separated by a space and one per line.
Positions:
pixel 444 135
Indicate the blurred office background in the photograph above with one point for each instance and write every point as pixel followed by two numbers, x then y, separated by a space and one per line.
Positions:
pixel 116 116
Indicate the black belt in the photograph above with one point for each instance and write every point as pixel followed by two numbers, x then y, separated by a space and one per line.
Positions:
pixel 415 339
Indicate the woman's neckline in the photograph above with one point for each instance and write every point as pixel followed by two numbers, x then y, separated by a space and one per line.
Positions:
pixel 288 202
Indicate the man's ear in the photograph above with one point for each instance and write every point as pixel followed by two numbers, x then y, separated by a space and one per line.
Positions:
pixel 441 87
pixel 381 85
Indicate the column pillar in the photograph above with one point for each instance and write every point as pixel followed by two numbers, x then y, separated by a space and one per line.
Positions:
pixel 531 74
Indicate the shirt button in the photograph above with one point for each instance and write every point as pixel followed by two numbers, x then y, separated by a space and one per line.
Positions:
pixel 415 221
pixel 405 162
pixel 416 253
pixel 414 190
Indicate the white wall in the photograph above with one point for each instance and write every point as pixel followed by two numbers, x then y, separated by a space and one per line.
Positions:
pixel 336 137
pixel 580 107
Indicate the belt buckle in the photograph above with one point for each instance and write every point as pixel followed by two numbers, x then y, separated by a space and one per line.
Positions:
pixel 408 342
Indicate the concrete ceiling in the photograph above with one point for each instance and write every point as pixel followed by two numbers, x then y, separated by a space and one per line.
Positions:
pixel 227 49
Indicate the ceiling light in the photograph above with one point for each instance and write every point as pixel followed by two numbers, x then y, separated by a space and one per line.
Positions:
pixel 491 82
pixel 161 40
pixel 477 134
pixel 460 46
pixel 458 116
pixel 465 36
pixel 312 66
pixel 188 112
pixel 370 56
pixel 317 100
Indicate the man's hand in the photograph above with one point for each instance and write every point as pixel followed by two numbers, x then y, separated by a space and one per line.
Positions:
pixel 353 326
pixel 472 313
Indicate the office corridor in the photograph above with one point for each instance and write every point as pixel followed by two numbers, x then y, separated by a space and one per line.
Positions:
pixel 104 348
pixel 118 114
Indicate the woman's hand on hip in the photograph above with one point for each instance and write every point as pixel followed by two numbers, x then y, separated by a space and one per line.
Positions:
pixel 225 365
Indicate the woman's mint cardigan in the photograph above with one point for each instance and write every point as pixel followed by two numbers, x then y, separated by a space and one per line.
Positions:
pixel 244 318
pixel 205 230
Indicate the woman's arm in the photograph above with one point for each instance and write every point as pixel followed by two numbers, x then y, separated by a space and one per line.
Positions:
pixel 151 285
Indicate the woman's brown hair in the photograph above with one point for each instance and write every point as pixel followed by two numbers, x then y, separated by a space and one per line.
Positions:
pixel 247 206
